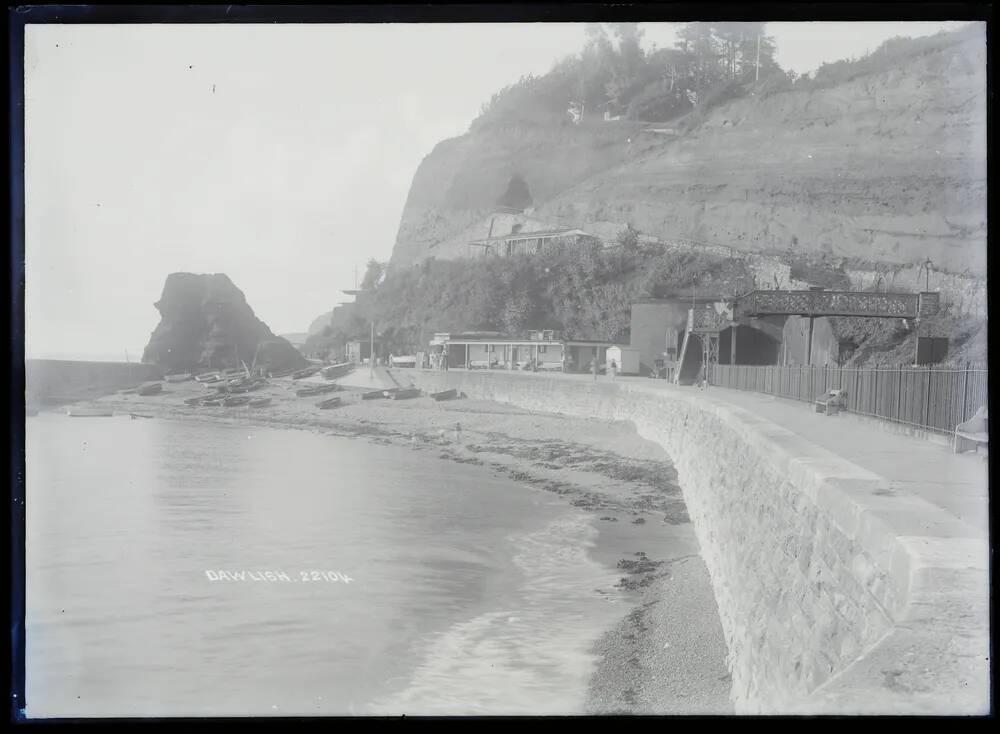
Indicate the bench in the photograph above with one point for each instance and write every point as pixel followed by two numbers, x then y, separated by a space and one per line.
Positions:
pixel 832 402
pixel 973 433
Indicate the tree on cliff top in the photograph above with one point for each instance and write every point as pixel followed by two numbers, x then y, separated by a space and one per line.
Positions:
pixel 517 195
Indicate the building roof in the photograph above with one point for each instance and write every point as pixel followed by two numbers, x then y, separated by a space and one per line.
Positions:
pixel 521 341
pixel 529 235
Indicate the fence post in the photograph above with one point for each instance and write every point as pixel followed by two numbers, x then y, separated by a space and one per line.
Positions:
pixel 965 392
pixel 857 387
pixel 875 392
pixel 927 398
pixel 899 394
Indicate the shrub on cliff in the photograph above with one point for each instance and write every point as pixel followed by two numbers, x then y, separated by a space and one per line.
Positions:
pixel 585 291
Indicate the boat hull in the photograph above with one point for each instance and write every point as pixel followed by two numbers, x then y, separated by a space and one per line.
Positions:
pixel 404 394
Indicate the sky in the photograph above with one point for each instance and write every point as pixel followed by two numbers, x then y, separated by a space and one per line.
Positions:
pixel 280 155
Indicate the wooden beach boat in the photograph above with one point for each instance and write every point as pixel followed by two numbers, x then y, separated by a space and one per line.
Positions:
pixel 178 377
pixel 373 395
pixel 259 402
pixel 307 372
pixel 135 416
pixel 307 392
pixel 197 400
pixel 445 394
pixel 212 402
pixel 337 370
pixel 151 388
pixel 236 400
pixel 246 384
pixel 404 394
pixel 89 413
pixel 330 403
pixel 207 377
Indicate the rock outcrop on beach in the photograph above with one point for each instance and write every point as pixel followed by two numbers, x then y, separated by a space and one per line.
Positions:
pixel 206 323
pixel 888 165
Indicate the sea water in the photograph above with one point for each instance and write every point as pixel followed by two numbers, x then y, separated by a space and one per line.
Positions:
pixel 179 569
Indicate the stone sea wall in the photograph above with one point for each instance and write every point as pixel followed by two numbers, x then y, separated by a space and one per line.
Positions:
pixel 818 594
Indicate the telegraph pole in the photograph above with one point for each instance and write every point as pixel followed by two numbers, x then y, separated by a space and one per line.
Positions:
pixel 757 78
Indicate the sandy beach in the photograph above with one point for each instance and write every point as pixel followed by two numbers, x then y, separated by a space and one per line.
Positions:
pixel 667 654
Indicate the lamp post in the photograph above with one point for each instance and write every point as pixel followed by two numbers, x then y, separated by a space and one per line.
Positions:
pixel 927 274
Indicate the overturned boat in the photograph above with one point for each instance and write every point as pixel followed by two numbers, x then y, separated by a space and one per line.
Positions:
pixel 445 394
pixel 307 372
pixel 89 413
pixel 318 390
pixel 403 393
pixel 373 395
pixel 337 370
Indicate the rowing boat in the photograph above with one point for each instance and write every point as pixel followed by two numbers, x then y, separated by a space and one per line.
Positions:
pixel 236 400
pixel 307 392
pixel 373 395
pixel 330 403
pixel 307 372
pixel 178 377
pixel 151 388
pixel 207 377
pixel 403 394
pixel 445 394
pixel 338 370
pixel 89 413
pixel 259 402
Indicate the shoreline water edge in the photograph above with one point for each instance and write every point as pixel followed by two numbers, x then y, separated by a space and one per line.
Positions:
pixel 667 653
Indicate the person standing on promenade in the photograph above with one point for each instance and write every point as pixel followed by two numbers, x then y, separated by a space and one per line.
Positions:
pixel 613 369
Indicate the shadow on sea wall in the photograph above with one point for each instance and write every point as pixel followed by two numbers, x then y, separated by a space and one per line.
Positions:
pixel 56 381
pixel 826 605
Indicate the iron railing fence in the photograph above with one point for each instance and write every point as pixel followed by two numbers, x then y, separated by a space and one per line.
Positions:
pixel 931 398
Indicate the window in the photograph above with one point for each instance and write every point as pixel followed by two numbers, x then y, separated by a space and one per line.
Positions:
pixel 541 349
pixel 510 248
pixel 516 229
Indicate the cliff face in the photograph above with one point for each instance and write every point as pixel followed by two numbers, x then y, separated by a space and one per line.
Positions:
pixel 463 178
pixel 889 166
pixel 206 323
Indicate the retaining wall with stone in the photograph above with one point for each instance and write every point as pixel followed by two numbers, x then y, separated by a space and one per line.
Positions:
pixel 834 597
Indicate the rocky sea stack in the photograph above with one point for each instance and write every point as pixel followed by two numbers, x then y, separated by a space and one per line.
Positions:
pixel 206 323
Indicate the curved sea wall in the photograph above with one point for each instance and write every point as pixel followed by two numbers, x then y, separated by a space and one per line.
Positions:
pixel 834 597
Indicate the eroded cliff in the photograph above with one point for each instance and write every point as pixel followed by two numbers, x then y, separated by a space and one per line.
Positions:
pixel 889 166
